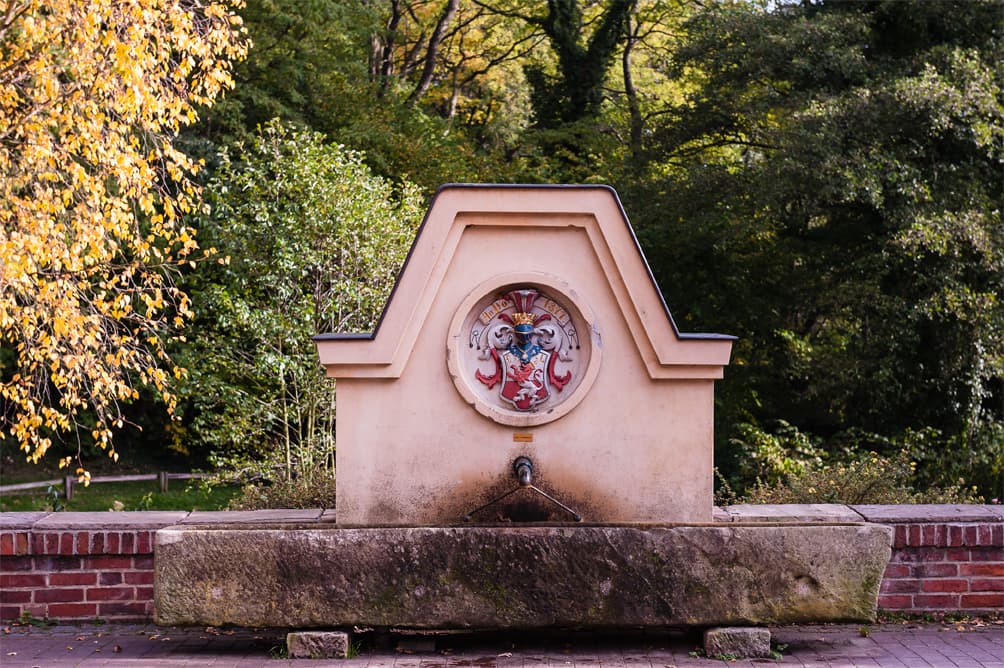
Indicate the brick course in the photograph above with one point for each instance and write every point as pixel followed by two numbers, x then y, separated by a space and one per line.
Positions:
pixel 53 581
pixel 67 566
pixel 78 566
pixel 959 567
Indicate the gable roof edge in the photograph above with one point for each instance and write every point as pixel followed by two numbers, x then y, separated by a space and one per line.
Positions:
pixel 372 354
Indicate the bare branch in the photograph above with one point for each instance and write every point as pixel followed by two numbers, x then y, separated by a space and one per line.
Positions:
pixel 535 20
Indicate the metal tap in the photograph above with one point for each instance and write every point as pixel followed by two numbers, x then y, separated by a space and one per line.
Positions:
pixel 523 468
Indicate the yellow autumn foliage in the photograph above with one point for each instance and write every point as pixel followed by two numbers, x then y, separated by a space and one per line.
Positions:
pixel 93 198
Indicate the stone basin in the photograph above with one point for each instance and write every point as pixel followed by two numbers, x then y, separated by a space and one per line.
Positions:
pixel 519 576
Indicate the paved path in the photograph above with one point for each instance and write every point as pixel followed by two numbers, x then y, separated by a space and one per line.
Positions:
pixel 128 645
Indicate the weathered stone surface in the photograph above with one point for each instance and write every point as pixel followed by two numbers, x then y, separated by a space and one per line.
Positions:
pixel 317 644
pixel 20 520
pixel 720 515
pixel 805 512
pixel 519 577
pixel 922 512
pixel 252 516
pixel 737 642
pixel 147 519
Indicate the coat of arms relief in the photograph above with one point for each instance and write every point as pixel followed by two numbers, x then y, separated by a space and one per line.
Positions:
pixel 526 343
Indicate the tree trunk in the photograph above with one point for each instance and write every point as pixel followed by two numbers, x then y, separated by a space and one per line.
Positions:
pixel 386 60
pixel 631 93
pixel 432 51
pixel 582 69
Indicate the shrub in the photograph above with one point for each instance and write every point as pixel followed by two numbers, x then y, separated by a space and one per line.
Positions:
pixel 770 456
pixel 868 478
pixel 310 241
pixel 315 492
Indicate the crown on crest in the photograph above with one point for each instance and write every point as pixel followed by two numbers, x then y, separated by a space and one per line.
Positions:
pixel 523 318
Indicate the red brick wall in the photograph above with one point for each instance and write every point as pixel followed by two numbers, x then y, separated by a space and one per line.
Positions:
pixel 945 567
pixel 84 574
pixel 81 566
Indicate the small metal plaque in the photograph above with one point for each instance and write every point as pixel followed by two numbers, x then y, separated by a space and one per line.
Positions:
pixel 522 437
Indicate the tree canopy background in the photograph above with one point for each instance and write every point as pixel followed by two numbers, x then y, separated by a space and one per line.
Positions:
pixel 822 178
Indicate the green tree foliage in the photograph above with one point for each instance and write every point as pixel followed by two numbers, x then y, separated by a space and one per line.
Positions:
pixel 459 82
pixel 642 86
pixel 834 192
pixel 566 138
pixel 367 73
pixel 311 242
pixel 574 91
pixel 303 53
pixel 597 82
pixel 821 178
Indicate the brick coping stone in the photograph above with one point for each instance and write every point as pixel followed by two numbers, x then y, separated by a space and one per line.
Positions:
pixel 817 512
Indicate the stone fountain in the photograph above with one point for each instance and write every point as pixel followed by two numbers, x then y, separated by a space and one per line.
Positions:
pixel 524 441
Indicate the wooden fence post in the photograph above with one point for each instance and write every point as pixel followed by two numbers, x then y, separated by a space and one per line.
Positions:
pixel 68 487
pixel 162 479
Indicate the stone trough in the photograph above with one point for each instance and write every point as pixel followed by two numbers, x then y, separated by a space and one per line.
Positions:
pixel 581 576
pixel 525 441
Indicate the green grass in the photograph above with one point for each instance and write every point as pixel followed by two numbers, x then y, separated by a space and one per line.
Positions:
pixel 144 495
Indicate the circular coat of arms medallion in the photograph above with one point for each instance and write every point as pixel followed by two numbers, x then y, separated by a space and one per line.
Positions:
pixel 521 350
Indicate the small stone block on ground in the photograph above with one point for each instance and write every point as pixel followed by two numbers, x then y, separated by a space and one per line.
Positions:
pixel 737 642
pixel 317 644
